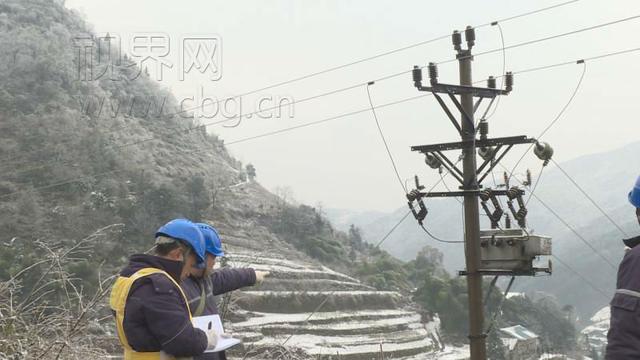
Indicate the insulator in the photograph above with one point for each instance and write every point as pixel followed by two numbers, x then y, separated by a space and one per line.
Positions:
pixel 485 195
pixel 491 82
pixel 529 179
pixel 456 38
pixel 507 222
pixel 543 151
pixel 506 179
pixel 522 213
pixel 497 242
pixel 432 161
pixel 417 75
pixel 470 36
pixel 433 73
pixel 508 81
pixel 513 193
pixel 486 153
pixel 484 129
pixel 417 181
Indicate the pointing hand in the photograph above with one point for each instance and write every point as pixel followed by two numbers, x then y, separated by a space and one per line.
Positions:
pixel 260 275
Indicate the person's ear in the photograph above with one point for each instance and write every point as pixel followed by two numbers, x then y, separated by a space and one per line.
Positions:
pixel 175 254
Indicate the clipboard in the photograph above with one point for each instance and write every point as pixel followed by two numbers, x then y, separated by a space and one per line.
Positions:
pixel 214 322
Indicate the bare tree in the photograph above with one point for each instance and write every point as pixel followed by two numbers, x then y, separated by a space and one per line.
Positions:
pixel 49 317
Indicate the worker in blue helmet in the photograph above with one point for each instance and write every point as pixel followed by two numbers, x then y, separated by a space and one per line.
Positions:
pixel 153 319
pixel 204 283
pixel 624 329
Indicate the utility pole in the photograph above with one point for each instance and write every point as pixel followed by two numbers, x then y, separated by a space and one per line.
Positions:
pixel 496 252
pixel 477 338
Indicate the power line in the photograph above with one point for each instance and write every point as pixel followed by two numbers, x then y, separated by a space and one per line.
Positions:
pixel 365 59
pixel 535 186
pixel 534 12
pixel 555 120
pixel 257 112
pixel 547 38
pixel 430 190
pixel 573 95
pixel 590 198
pixel 591 58
pixel 571 228
pixel 583 278
pixel 422 96
pixel 386 236
pixel 324 120
pixel 504 69
pixel 602 56
pixel 407 214
pixel 438 239
pixel 407 47
pixel 384 141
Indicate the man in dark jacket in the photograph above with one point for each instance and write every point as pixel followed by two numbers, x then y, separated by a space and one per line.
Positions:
pixel 624 330
pixel 153 319
pixel 204 284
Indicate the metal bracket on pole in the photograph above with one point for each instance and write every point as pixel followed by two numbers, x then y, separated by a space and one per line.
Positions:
pixel 453 169
pixel 458 145
pixel 493 162
pixel 463 90
pixel 444 106
pixel 462 111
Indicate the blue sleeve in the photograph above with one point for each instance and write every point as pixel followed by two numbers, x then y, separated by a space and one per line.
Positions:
pixel 225 280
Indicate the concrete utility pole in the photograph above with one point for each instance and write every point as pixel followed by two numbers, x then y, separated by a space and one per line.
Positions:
pixel 495 252
pixel 477 336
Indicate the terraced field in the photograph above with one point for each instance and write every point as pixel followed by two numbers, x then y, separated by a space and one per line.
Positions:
pixel 321 313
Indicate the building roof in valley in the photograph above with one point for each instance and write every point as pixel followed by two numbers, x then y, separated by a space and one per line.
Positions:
pixel 519 332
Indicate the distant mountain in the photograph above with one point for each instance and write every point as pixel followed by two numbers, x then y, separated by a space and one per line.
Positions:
pixel 606 177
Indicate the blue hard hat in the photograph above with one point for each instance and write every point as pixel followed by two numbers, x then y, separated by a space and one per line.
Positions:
pixel 186 231
pixel 212 242
pixel 634 195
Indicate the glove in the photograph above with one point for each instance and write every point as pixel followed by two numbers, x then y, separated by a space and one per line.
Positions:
pixel 212 339
pixel 260 275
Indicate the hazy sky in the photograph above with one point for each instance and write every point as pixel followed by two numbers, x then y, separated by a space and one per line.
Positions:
pixel 343 163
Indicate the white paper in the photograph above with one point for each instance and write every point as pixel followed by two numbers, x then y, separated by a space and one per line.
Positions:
pixel 210 322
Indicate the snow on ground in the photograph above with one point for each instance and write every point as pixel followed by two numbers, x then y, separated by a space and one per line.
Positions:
pixel 450 353
pixel 364 325
pixel 283 266
pixel 603 315
pixel 597 331
pixel 512 295
pixel 352 332
pixel 337 293
pixel 357 333
pixel 260 319
pixel 558 357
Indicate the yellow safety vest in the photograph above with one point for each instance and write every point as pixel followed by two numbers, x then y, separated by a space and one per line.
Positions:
pixel 118 301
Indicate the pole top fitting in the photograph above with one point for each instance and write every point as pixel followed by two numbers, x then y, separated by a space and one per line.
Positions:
pixel 433 73
pixel 491 82
pixel 417 76
pixel 456 39
pixel 470 36
pixel 508 81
